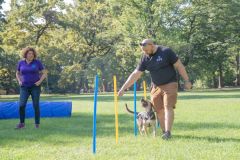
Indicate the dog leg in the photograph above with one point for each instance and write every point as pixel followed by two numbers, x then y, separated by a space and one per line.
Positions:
pixel 144 129
pixel 140 126
pixel 140 130
pixel 147 130
pixel 154 129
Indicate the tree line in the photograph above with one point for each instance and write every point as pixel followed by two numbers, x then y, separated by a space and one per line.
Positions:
pixel 75 41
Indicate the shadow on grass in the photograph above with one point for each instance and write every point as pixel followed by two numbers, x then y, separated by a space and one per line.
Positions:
pixel 78 126
pixel 207 96
pixel 223 90
pixel 207 138
pixel 66 130
pixel 204 125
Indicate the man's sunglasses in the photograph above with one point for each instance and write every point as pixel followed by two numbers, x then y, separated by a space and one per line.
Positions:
pixel 144 44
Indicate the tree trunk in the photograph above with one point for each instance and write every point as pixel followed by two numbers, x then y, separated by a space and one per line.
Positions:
pixel 86 87
pixel 80 82
pixel 220 77
pixel 110 87
pixel 104 86
pixel 139 85
pixel 214 79
pixel 237 83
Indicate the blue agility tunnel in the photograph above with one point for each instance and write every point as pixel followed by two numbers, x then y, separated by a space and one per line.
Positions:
pixel 9 110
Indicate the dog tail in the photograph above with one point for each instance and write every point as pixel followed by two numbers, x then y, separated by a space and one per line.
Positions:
pixel 129 109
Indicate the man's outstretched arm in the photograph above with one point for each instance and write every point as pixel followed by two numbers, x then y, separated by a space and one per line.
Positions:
pixel 134 76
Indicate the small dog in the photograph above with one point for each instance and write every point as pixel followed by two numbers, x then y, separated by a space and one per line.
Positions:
pixel 145 119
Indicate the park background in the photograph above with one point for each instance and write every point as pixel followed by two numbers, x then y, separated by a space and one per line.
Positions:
pixel 76 40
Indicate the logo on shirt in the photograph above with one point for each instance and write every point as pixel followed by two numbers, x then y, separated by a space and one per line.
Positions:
pixel 34 66
pixel 159 59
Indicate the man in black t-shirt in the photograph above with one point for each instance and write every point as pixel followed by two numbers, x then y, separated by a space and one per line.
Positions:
pixel 162 64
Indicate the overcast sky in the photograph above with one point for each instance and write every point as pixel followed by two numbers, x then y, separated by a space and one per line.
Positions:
pixel 6 4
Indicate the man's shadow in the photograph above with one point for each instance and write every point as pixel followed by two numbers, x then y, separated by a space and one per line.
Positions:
pixel 203 125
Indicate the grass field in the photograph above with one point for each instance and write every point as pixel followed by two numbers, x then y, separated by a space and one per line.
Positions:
pixel 207 126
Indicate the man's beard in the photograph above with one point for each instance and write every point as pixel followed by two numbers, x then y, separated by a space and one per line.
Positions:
pixel 149 53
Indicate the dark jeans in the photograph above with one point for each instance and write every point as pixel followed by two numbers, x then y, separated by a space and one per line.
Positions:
pixel 25 92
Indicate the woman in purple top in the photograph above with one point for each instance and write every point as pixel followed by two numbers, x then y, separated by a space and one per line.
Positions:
pixel 30 74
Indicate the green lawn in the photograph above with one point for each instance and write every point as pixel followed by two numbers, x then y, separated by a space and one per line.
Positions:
pixel 207 126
